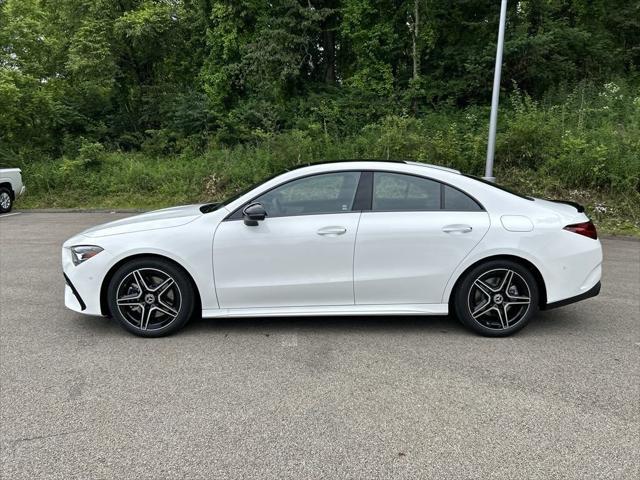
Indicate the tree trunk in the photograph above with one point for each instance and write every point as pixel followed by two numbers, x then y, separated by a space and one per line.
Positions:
pixel 329 45
pixel 416 54
pixel 416 26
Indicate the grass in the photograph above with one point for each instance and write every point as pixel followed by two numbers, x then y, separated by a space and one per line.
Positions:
pixel 136 181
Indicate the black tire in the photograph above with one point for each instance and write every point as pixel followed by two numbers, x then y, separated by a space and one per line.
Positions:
pixel 160 307
pixel 486 305
pixel 6 200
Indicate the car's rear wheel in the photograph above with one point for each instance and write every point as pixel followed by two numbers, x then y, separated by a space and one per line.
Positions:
pixel 6 201
pixel 151 297
pixel 496 298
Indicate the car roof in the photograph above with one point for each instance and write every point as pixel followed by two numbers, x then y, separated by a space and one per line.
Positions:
pixel 405 162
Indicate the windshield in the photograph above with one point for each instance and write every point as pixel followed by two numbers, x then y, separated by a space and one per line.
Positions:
pixel 212 207
pixel 500 187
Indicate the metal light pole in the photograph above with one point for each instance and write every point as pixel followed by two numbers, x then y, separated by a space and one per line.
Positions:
pixel 493 122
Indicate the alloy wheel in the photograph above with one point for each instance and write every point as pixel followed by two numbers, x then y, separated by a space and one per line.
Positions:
pixel 499 299
pixel 5 200
pixel 148 298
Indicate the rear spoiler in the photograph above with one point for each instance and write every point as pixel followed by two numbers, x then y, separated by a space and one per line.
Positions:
pixel 577 206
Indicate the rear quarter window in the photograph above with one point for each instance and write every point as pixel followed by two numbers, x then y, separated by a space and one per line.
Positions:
pixel 457 201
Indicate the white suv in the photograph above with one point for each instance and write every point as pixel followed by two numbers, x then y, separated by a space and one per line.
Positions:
pixel 11 187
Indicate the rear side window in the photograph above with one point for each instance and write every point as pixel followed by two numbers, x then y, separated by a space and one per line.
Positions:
pixel 398 192
pixel 456 201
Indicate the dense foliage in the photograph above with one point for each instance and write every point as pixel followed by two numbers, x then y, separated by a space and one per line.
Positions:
pixel 183 85
pixel 127 72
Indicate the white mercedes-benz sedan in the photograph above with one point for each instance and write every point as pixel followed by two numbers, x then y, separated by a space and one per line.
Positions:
pixel 344 238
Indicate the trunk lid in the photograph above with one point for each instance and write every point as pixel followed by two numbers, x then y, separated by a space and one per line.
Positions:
pixel 568 211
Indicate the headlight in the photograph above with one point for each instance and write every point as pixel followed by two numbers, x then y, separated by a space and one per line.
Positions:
pixel 81 253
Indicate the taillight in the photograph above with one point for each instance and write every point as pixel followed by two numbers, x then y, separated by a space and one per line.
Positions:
pixel 588 229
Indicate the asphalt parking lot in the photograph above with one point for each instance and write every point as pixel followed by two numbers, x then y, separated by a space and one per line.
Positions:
pixel 310 398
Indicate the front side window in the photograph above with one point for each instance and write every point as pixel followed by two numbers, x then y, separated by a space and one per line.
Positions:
pixel 401 193
pixel 325 193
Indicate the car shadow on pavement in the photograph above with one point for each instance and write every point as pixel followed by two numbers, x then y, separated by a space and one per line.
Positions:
pixel 555 322
pixel 346 324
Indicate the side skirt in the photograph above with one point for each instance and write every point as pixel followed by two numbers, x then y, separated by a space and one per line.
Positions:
pixel 331 310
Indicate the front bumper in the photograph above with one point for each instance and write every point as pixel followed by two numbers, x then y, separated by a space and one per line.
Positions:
pixel 594 291
pixel 84 282
pixel 22 191
pixel 75 303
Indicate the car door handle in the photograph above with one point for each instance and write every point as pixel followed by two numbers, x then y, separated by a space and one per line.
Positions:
pixel 331 231
pixel 457 228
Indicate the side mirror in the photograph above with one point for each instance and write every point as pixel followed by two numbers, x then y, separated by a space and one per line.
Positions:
pixel 253 213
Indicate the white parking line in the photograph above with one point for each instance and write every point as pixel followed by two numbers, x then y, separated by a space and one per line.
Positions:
pixel 10 214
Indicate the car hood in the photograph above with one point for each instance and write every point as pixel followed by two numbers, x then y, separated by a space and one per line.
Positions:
pixel 165 218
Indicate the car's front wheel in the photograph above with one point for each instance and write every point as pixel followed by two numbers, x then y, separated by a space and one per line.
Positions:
pixel 496 298
pixel 151 297
pixel 6 200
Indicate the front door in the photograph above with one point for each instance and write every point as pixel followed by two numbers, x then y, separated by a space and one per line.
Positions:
pixel 301 254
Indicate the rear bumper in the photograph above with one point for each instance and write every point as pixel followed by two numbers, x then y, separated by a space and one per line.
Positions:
pixel 571 265
pixel 594 291
pixel 21 192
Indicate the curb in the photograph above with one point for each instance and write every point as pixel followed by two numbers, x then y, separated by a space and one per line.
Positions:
pixel 626 238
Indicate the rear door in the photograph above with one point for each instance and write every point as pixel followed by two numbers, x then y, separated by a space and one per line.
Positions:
pixel 408 245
